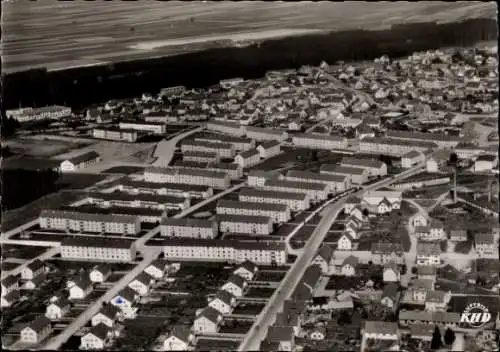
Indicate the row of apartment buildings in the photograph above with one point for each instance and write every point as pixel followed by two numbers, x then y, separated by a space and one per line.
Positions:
pixel 214 179
pixel 256 133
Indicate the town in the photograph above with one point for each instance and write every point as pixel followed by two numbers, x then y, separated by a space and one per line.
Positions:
pixel 350 206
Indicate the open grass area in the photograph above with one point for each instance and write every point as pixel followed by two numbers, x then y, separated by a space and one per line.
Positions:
pixel 124 170
pixel 42 147
pixel 21 252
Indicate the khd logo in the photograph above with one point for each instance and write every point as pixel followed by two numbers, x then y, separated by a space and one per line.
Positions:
pixel 475 315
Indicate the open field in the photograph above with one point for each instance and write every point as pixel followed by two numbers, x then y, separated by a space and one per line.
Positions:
pixel 61 35
pixel 42 147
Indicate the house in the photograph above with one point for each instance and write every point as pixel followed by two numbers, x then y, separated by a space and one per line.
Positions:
pixel 412 158
pixel 10 298
pixel 33 269
pixel 420 219
pixel 380 330
pixel 125 300
pixel 157 269
pixel 302 292
pixel 248 158
pixel 58 309
pixel 80 161
pixel 179 339
pixel 223 302
pixel 428 253
pixel 391 272
pixel 284 335
pixel 390 199
pixel 351 203
pixel 357 213
pixel 100 273
pixel 289 317
pixel 438 159
pixel 108 315
pixel 268 149
pixel 485 163
pixel 484 243
pixel 345 242
pixel 246 270
pixel 351 227
pixel 437 300
pixel 349 265
pixel 142 283
pixel 81 288
pixel 426 272
pixel 436 230
pixel 458 234
pixel 36 331
pixel 207 321
pixel 235 285
pixel 34 283
pixel 97 338
pixel 421 331
pixel 318 333
pixel 323 258
pixel 390 296
pixel 312 276
pixel 384 206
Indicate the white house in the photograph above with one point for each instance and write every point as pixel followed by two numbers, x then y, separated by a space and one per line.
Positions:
pixel 235 285
pixel 33 269
pixel 345 241
pixel 179 339
pixel 323 258
pixel 247 270
pixel 80 161
pixel 100 273
pixel 10 298
pixel 207 321
pixel 380 330
pixel 391 272
pixel 419 219
pixel 81 288
pixel 428 253
pixel 157 269
pixel 36 331
pixel 223 302
pixel 108 315
pixel 485 163
pixel 57 310
pixel 98 338
pixel 268 149
pixel 142 283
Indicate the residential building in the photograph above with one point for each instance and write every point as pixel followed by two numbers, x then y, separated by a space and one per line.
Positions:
pixel 294 200
pixel 80 161
pixel 89 222
pixel 412 158
pixel 265 134
pixel 485 163
pixel 437 160
pixel 246 270
pixel 390 296
pixel 248 224
pixel 188 227
pixel 223 302
pixel 115 134
pixel 316 141
pixel 224 150
pixel 282 335
pixel 36 331
pixel 437 300
pixel 82 287
pixel 280 213
pixel 247 158
pixel 421 331
pixel 108 315
pixel 214 179
pixel 380 330
pixel 201 156
pixel 239 143
pixel 159 128
pixel 142 283
pixel 235 285
pixel 349 265
pixel 317 192
pixel 98 338
pixel 228 127
pixel 100 273
pixel 345 242
pixel 100 249
pixel 351 203
pixel 433 318
pixel 257 178
pixel 324 258
pixel 33 269
pixel 235 171
pixel 375 167
pixel 140 200
pixel 391 146
pixel 428 253
pixel 125 300
pixel 373 199
pixel 335 183
pixel 207 321
pixel 179 339
pixel 484 243
pixel 36 114
pixel 391 272
pixel 168 189
pixel 385 252
pixel 158 269
pixel 35 282
pixel 355 175
pixel 9 299
pixel 269 149
pixel 56 310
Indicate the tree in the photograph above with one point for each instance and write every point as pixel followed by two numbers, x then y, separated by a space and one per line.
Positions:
pixel 449 336
pixel 453 158
pixel 366 212
pixel 436 342
pixel 414 270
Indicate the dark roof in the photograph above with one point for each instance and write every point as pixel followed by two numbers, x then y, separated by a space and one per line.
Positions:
pixel 61 303
pixel 75 214
pixel 249 153
pixel 264 193
pixel 342 169
pixel 314 176
pixel 97 242
pixel 103 268
pixel 110 311
pixel 154 185
pixel 211 314
pixel 181 332
pixel 280 333
pixel 381 327
pixel 83 282
pixel 9 281
pixel 187 222
pixel 39 324
pixel 128 294
pixel 308 186
pixel 224 296
pixel 269 144
pixel 101 331
pixel 250 219
pixel 237 280
pixel 302 292
pixel 92 155
pixel 351 260
pixel 390 291
pixel 326 252
pixel 362 162
pixel 12 296
pixel 250 266
pixel 312 275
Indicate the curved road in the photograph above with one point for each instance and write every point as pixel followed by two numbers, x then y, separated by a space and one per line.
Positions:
pixel 259 330
pixel 166 148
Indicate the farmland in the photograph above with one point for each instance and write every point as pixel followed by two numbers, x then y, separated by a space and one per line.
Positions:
pixel 130 30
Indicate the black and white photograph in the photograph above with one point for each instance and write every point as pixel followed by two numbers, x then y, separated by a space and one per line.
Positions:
pixel 249 176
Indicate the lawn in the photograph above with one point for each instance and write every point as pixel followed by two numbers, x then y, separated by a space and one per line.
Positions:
pixel 248 308
pixel 21 252
pixel 79 181
pixel 123 170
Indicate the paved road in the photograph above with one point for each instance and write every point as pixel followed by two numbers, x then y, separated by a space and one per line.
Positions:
pixel 259 330
pixel 166 148
pixel 56 342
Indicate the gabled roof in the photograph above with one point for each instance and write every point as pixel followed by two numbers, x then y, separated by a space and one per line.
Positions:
pixel 326 253
pixel 144 278
pixel 92 155
pixel 435 296
pixel 392 266
pixel 210 314
pixel 421 329
pixel 39 324
pixel 110 311
pixel 280 333
pixel 312 275
pixel 269 144
pixel 128 294
pixel 61 303
pixel 270 346
pixel 102 268
pixel 426 270
pixel 248 265
pixel 390 291
pixel 12 296
pixel 83 282
pixel 287 318
pixel 35 265
pixel 381 327
pixel 351 260
pixel 224 296
pixel 159 264
pixel 302 293
pixel 237 280
pixel 181 332
pixel 101 331
pixel 484 238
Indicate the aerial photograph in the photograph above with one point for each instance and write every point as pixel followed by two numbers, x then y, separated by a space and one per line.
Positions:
pixel 250 176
